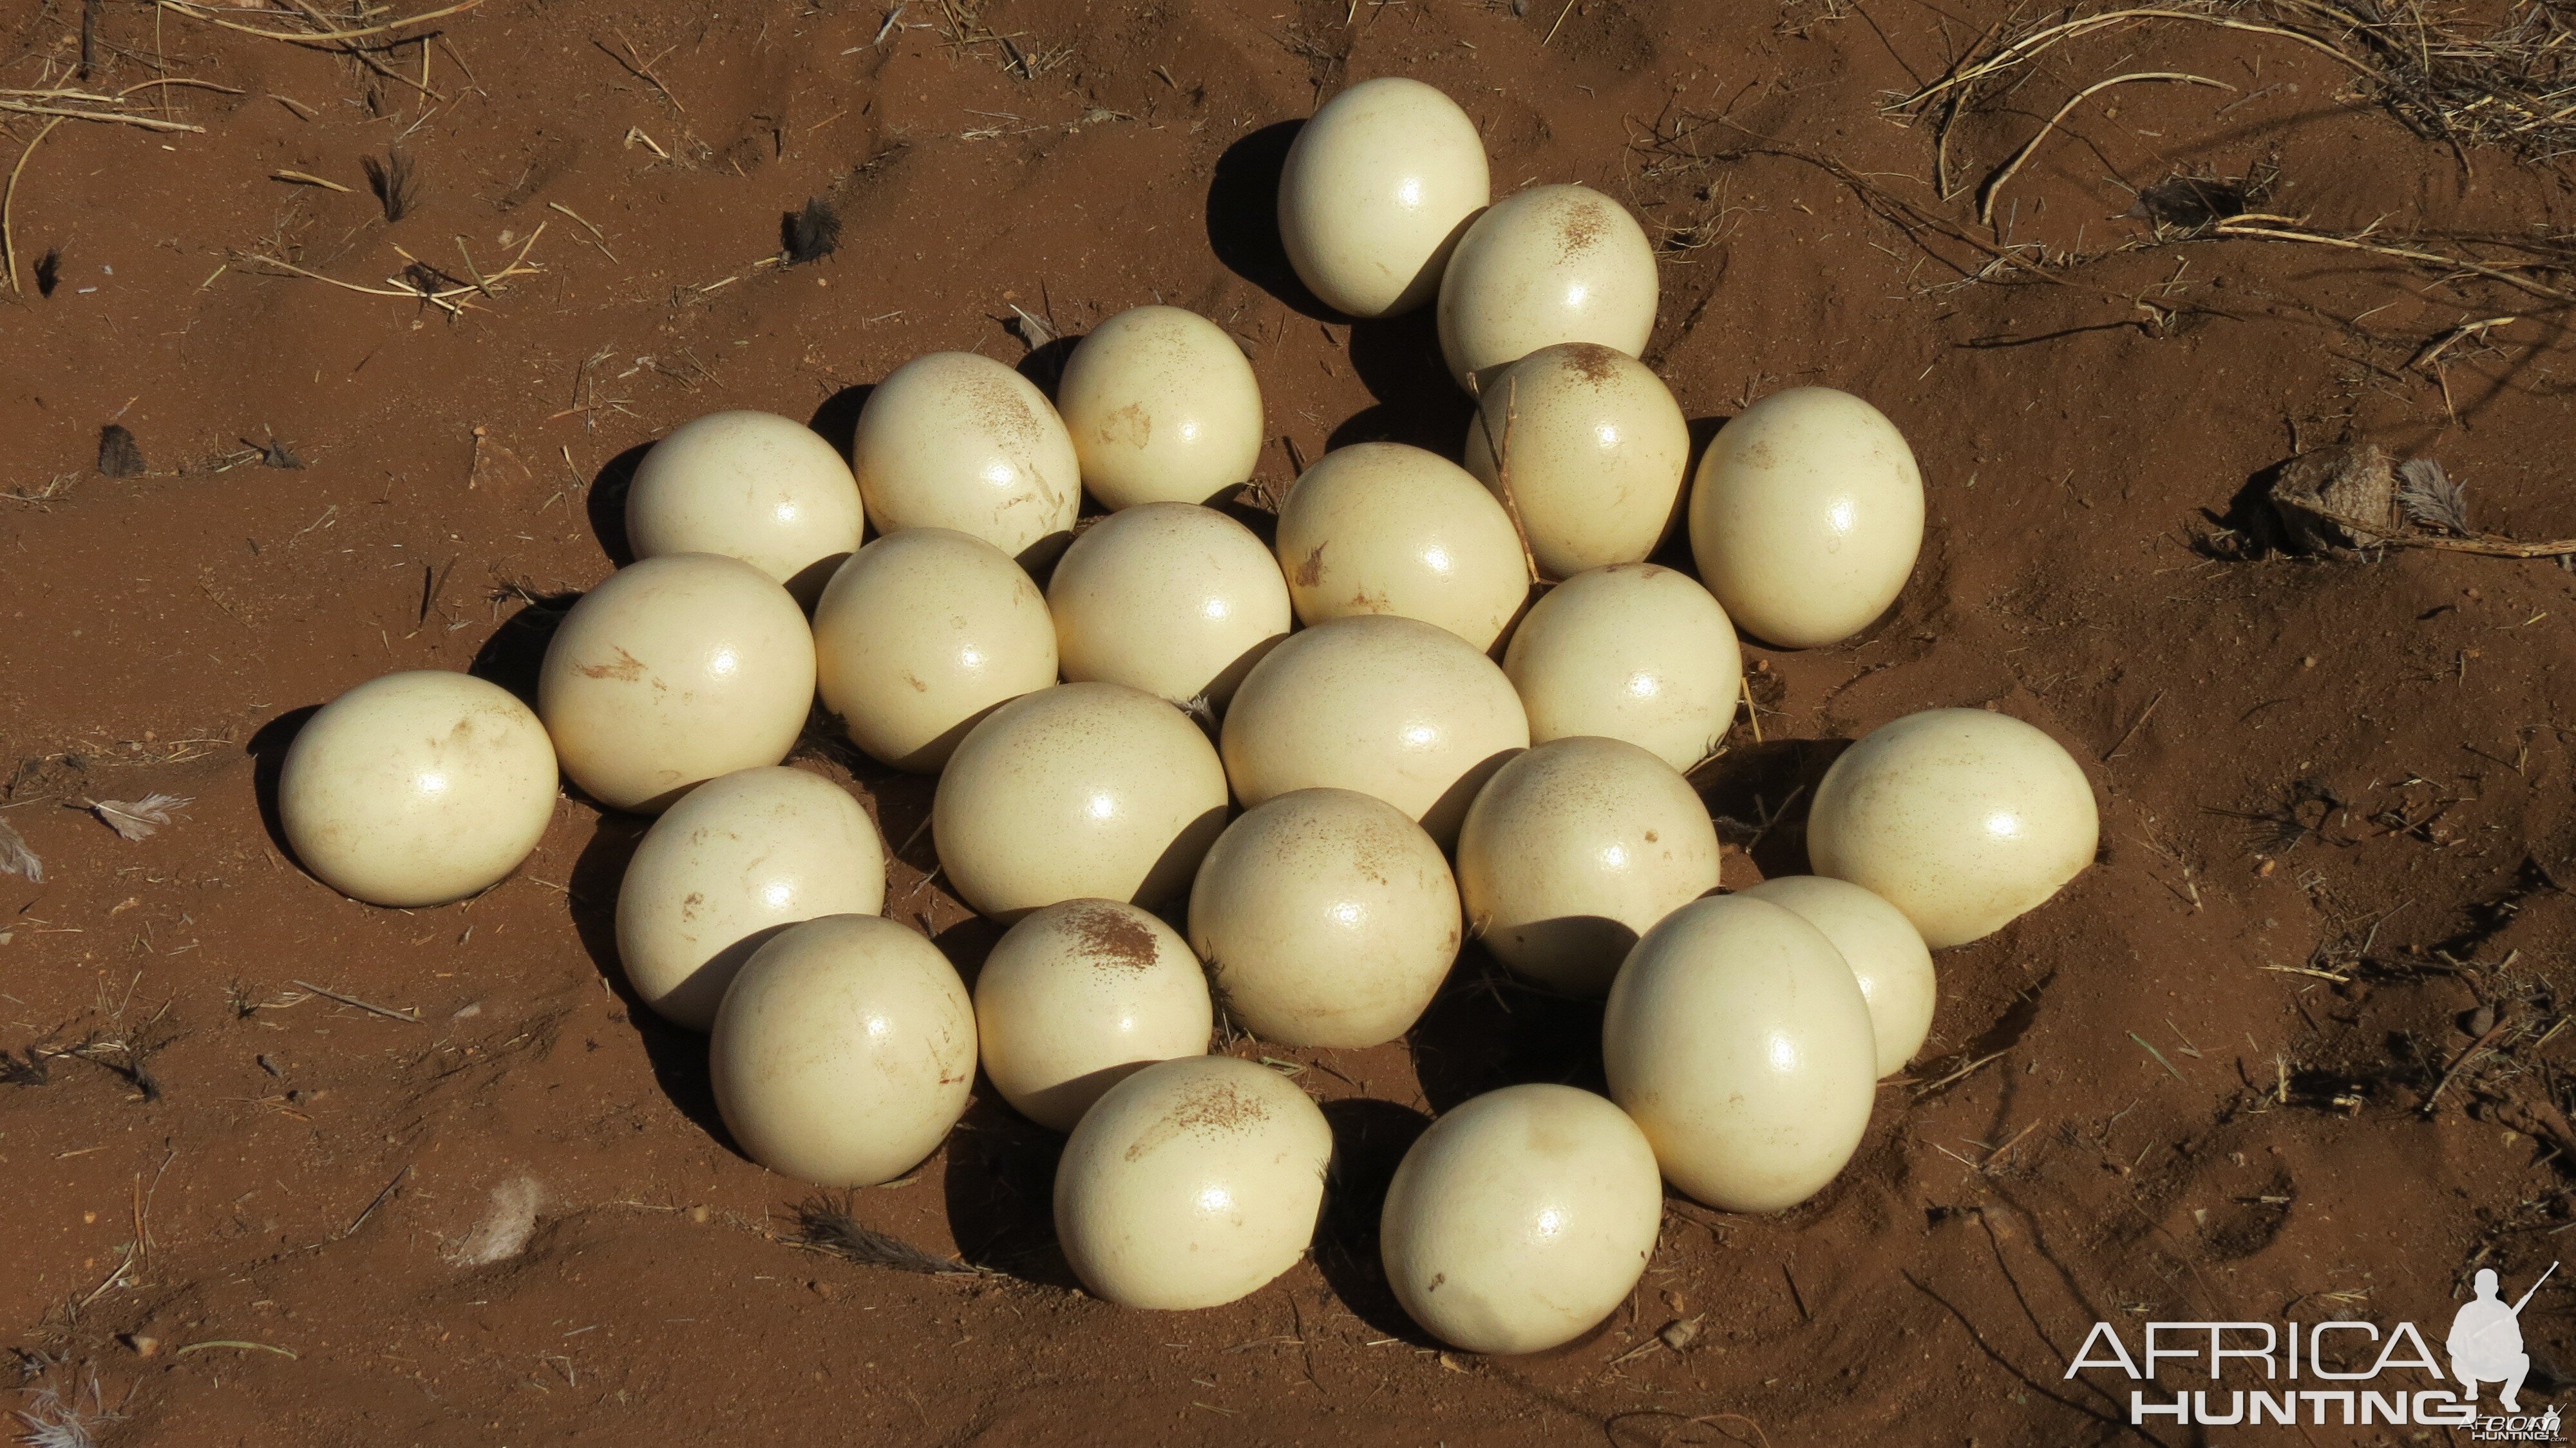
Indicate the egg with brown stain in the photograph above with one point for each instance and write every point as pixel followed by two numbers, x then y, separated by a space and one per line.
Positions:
pixel 954 440
pixel 920 635
pixel 1551 264
pixel 1597 448
pixel 1383 528
pixel 1162 407
pixel 1079 996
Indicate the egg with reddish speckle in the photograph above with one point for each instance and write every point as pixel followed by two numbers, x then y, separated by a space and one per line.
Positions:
pixel 1162 407
pixel 954 440
pixel 1551 264
pixel 1080 995
pixel 1191 1183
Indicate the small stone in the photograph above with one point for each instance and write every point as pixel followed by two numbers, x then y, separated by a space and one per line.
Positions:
pixel 698 1215
pixel 143 1345
pixel 2480 1021
pixel 1679 1333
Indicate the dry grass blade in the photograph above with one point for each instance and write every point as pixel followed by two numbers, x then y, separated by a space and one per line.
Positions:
pixel 1986 202
pixel 2278 228
pixel 202 12
pixel 9 201
pixel 16 858
pixel 2017 52
pixel 825 1225
pixel 2430 498
pixel 137 819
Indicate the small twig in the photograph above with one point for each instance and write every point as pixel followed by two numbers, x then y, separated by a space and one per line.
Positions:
pixel 361 1005
pixel 2134 726
pixel 376 1201
pixel 8 203
pixel 307 178
pixel 1560 23
pixel 2241 226
pixel 195 12
pixel 1986 203
pixel 232 1342
pixel 2159 1055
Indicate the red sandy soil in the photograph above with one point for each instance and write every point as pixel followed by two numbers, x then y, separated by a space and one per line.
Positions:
pixel 2199 1084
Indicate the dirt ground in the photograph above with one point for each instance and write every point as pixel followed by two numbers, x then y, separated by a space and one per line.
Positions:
pixel 2229 1074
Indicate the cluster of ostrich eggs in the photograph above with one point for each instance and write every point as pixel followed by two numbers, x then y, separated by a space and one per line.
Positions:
pixel 1226 770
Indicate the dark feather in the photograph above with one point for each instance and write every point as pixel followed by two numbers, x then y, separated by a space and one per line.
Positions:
pixel 118 456
pixel 393 181
pixel 811 234
pixel 2192 201
pixel 826 1225
pixel 49 271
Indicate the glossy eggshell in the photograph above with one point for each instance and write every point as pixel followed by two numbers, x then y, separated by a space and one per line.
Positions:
pixel 672 671
pixel 1961 818
pixel 954 440
pixel 1326 918
pixel 1737 1039
pixel 1633 651
pixel 1162 408
pixel 1079 996
pixel 748 485
pixel 417 788
pixel 1191 1183
pixel 1806 516
pixel 1082 791
pixel 1573 850
pixel 1882 948
pixel 1383 528
pixel 737 860
pixel 1391 707
pixel 843 1052
pixel 1374 193
pixel 1552 264
pixel 1598 452
pixel 1521 1218
pixel 1175 600
pixel 920 634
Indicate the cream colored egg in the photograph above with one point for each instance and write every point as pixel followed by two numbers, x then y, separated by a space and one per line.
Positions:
pixel 1326 918
pixel 672 671
pixel 1082 791
pixel 1521 1218
pixel 737 860
pixel 1632 651
pixel 1962 818
pixel 1375 191
pixel 954 440
pixel 920 634
pixel 1382 528
pixel 1576 848
pixel 1081 995
pixel 1162 408
pixel 1191 1183
pixel 1806 516
pixel 1176 600
pixel 1737 1039
pixel 843 1052
pixel 417 788
pixel 1391 707
pixel 1552 264
pixel 748 485
pixel 1598 449
pixel 1883 950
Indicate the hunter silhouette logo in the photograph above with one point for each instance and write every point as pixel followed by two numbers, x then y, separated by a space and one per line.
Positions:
pixel 2344 1372
pixel 2486 1342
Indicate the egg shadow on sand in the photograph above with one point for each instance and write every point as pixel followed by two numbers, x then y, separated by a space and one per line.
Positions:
pixel 1759 795
pixel 998 1175
pixel 267 750
pixel 606 504
pixel 1418 402
pixel 837 420
pixel 677 1054
pixel 1243 218
pixel 1370 1139
pixel 516 652
pixel 1489 1028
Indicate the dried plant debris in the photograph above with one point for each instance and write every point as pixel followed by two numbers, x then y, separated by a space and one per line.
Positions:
pixel 2428 497
pixel 396 184
pixel 137 819
pixel 1033 331
pixel 276 454
pixel 16 858
pixel 118 454
pixel 809 235
pixel 824 1224
pixel 2339 500
pixel 2192 202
